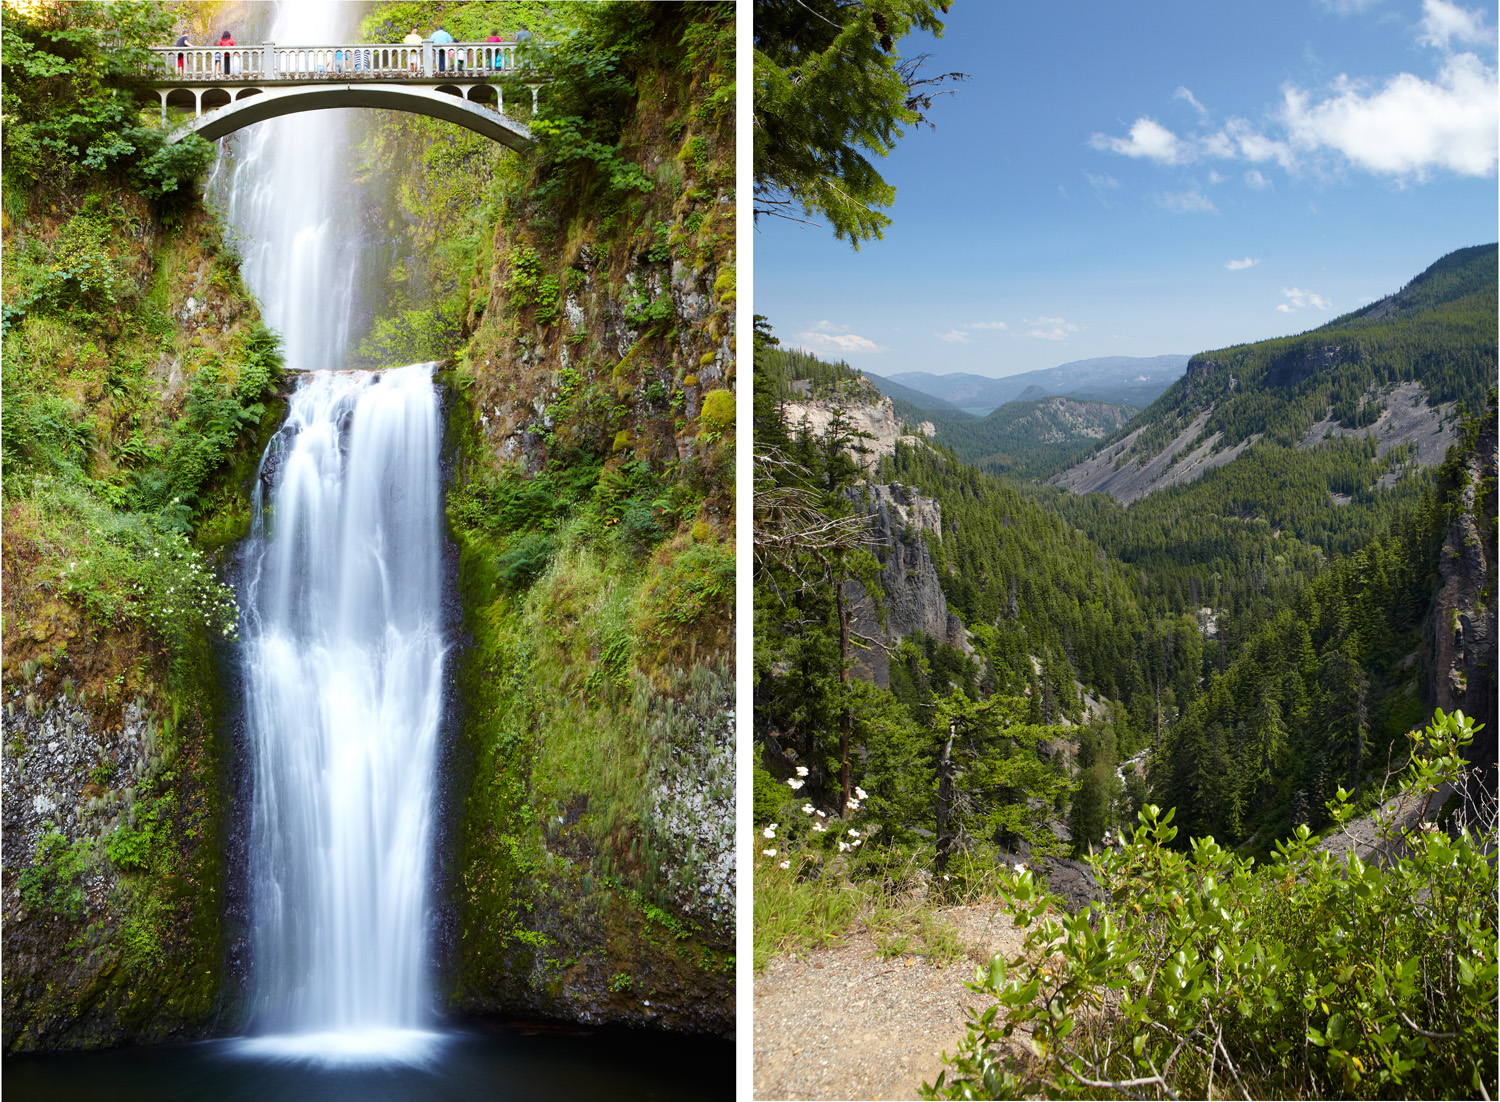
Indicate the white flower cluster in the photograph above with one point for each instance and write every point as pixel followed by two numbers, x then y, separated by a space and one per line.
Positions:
pixel 797 782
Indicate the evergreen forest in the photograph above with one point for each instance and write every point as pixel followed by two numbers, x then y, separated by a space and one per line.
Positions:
pixel 1241 665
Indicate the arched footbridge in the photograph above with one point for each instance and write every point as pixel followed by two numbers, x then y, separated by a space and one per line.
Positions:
pixel 228 88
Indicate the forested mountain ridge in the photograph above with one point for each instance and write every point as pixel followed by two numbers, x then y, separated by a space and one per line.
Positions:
pixel 916 399
pixel 1437 333
pixel 1027 437
pixel 1322 694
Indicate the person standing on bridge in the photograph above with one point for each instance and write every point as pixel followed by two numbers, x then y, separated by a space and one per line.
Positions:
pixel 494 54
pixel 413 39
pixel 182 40
pixel 443 56
pixel 221 61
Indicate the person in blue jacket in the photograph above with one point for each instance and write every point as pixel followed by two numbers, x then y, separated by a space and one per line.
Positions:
pixel 441 36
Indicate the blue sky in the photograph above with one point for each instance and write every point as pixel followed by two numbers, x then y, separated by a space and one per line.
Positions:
pixel 1140 179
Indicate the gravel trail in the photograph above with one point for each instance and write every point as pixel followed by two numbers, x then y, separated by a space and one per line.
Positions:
pixel 844 1023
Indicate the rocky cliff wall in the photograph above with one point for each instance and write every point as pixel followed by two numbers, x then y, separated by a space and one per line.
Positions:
pixel 592 441
pixel 115 784
pixel 1465 617
pixel 877 420
pixel 911 598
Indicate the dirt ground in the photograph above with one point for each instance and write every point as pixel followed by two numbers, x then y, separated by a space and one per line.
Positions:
pixel 844 1023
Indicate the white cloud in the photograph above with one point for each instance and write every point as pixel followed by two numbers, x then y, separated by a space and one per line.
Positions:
pixel 1256 180
pixel 1411 126
pixel 1443 22
pixel 815 341
pixel 1049 329
pixel 1149 139
pixel 953 336
pixel 988 325
pixel 1405 126
pixel 1184 93
pixel 1297 298
pixel 1105 182
pixel 1186 202
pixel 1215 178
pixel 1347 7
pixel 1241 265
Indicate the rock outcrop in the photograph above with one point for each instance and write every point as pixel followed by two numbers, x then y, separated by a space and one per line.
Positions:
pixel 1465 613
pixel 875 421
pixel 911 598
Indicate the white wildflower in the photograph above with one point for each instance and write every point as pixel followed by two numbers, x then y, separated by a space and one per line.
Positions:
pixel 843 846
pixel 1020 867
pixel 785 864
pixel 807 809
pixel 801 770
pixel 769 852
pixel 819 828
pixel 770 831
pixel 821 815
pixel 853 833
pixel 795 784
pixel 861 793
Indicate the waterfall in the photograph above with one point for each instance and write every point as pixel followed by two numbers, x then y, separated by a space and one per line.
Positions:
pixel 287 197
pixel 343 684
pixel 341 620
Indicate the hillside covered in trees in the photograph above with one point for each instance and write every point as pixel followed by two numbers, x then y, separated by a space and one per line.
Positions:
pixel 1245 656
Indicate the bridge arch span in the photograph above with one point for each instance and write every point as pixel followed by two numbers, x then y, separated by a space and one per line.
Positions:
pixel 446 102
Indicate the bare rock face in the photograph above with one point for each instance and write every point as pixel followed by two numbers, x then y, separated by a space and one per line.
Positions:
pixel 877 418
pixel 912 598
pixel 1465 626
pixel 1405 418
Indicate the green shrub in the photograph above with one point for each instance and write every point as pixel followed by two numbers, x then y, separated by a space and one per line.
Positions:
pixel 51 882
pixel 131 566
pixel 1314 977
pixel 525 560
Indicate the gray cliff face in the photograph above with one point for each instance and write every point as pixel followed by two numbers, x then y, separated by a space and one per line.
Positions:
pixel 1465 626
pixel 912 598
pixel 70 776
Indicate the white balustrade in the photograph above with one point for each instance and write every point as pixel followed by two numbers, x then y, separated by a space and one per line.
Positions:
pixel 357 61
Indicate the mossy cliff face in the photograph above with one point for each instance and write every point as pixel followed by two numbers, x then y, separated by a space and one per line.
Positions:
pixel 139 388
pixel 592 436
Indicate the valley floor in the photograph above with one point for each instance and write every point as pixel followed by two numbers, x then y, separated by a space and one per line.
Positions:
pixel 843 1022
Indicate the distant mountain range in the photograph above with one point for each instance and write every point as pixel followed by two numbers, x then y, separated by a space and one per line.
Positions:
pixel 1133 380
pixel 918 398
pixel 1394 371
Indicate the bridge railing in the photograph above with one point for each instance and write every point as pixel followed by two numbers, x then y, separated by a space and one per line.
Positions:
pixel 354 61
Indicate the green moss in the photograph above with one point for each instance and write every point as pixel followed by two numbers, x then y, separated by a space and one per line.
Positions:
pixel 724 284
pixel 717 413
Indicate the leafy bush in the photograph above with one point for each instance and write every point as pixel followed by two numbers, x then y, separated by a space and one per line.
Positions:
pixel 50 883
pixel 217 413
pixel 71 81
pixel 130 566
pixel 524 562
pixel 1313 977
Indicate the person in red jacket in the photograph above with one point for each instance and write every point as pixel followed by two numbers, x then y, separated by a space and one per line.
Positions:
pixel 226 39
